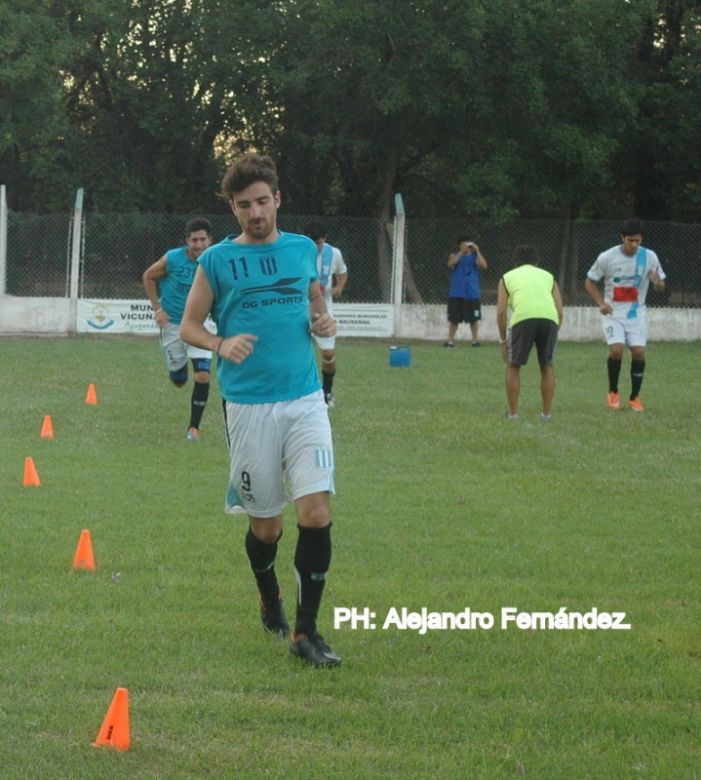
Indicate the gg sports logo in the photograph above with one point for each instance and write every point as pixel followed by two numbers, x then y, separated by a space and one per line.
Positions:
pixel 283 291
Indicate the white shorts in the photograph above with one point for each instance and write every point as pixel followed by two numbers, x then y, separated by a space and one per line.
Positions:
pixel 632 333
pixel 325 342
pixel 176 352
pixel 279 452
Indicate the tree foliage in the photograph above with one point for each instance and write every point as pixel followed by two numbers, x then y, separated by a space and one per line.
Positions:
pixel 493 108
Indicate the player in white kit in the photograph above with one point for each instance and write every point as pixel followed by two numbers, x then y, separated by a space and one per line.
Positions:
pixel 333 276
pixel 627 271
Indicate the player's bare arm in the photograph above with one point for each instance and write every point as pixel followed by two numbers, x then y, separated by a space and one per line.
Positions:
pixel 453 259
pixel 199 304
pixel 322 323
pixel 595 294
pixel 150 277
pixel 657 281
pixel 236 348
pixel 502 303
pixel 341 280
pixel 557 297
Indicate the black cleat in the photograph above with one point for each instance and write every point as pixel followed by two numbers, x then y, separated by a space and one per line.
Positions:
pixel 314 650
pixel 273 618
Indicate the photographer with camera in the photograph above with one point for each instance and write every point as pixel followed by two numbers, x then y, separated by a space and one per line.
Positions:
pixel 464 294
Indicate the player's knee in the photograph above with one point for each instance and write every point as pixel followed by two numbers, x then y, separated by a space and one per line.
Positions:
pixel 201 366
pixel 201 377
pixel 179 377
pixel 316 515
pixel 268 529
pixel 638 353
pixel 616 351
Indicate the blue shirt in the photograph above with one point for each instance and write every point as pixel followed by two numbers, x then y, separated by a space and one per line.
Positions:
pixel 465 278
pixel 263 289
pixel 175 285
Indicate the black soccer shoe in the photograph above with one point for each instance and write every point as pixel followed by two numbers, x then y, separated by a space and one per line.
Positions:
pixel 314 650
pixel 273 618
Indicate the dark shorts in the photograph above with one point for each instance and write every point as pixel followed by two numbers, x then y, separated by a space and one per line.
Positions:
pixel 523 335
pixel 464 310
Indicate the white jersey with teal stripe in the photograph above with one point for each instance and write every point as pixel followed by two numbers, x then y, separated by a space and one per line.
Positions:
pixel 263 289
pixel 174 287
pixel 626 279
pixel 329 263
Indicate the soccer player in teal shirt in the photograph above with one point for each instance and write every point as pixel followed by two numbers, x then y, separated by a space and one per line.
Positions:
pixel 167 283
pixel 262 290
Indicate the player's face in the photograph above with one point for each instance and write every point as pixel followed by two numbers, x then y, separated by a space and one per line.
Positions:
pixel 632 243
pixel 256 210
pixel 197 242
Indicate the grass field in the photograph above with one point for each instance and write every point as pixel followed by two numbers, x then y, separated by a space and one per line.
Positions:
pixel 441 504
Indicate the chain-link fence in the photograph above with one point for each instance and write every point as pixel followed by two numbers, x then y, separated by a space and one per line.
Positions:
pixel 38 253
pixel 118 247
pixel 567 249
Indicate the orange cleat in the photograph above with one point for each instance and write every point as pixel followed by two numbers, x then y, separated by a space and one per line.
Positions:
pixel 614 400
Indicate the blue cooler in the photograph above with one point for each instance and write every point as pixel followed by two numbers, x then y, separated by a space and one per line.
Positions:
pixel 399 357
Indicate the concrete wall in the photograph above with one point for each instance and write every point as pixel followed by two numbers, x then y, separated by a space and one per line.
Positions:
pixel 581 323
pixel 34 315
pixel 51 316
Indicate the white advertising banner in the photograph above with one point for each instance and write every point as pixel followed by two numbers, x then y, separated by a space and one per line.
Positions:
pixel 115 316
pixel 364 319
pixel 135 316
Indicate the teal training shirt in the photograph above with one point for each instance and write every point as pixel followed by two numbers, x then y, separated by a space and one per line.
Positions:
pixel 175 285
pixel 263 289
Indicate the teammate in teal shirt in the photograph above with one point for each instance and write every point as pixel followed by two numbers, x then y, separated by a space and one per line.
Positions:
pixel 167 283
pixel 175 285
pixel 262 291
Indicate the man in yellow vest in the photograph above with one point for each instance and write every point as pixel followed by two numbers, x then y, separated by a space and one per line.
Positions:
pixel 533 296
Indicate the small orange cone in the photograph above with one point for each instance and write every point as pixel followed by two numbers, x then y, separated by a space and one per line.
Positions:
pixel 47 428
pixel 114 731
pixel 84 558
pixel 31 476
pixel 91 397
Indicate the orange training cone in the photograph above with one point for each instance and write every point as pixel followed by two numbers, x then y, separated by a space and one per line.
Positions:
pixel 47 428
pixel 91 397
pixel 84 558
pixel 114 731
pixel 31 476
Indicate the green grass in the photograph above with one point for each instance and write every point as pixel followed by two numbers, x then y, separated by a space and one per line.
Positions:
pixel 440 503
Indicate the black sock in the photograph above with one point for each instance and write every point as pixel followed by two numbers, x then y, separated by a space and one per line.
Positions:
pixel 200 394
pixel 637 370
pixel 312 559
pixel 614 369
pixel 262 558
pixel 328 381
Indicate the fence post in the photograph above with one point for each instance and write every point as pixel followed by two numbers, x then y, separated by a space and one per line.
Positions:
pixel 398 261
pixel 3 240
pixel 76 241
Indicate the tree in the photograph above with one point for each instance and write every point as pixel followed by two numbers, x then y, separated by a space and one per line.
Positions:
pixel 34 48
pixel 666 149
pixel 155 84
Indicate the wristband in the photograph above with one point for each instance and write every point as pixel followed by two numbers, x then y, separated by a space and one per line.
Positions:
pixel 216 351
